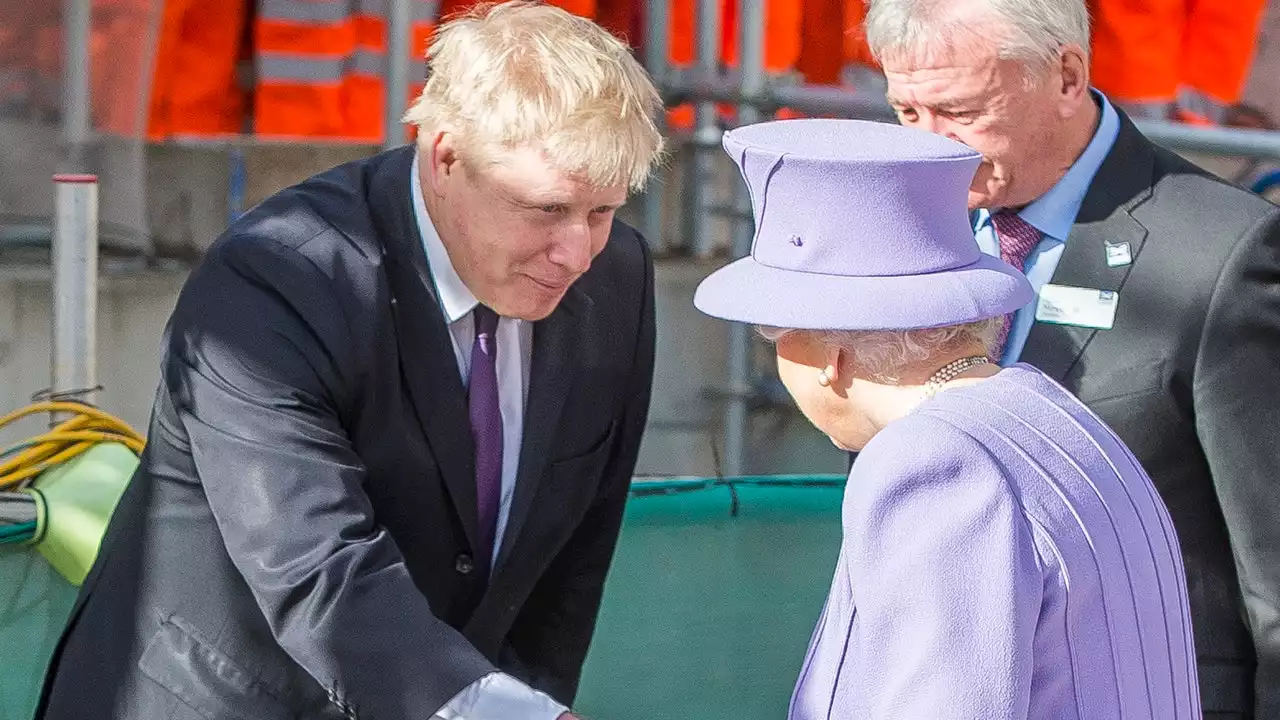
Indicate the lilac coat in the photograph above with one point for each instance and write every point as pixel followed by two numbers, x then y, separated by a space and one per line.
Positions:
pixel 1004 557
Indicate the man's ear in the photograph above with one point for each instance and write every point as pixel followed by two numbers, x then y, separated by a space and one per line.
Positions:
pixel 1074 91
pixel 442 158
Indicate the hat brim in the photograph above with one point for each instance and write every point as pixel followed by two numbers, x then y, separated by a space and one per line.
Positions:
pixel 749 292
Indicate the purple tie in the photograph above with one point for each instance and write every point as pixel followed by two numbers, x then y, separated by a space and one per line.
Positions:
pixel 486 425
pixel 1017 239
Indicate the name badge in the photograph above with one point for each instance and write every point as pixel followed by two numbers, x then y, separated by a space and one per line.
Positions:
pixel 1083 307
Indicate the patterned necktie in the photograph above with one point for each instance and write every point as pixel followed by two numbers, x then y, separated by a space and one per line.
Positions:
pixel 1017 239
pixel 486 425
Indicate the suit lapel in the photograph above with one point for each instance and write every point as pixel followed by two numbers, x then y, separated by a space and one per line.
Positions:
pixel 553 362
pixel 1105 217
pixel 427 362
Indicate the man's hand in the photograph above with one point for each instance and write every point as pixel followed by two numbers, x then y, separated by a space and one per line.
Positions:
pixel 568 716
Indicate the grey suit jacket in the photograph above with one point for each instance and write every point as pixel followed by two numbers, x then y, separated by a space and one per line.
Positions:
pixel 299 540
pixel 1189 377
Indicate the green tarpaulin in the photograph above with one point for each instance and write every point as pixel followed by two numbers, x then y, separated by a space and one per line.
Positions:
pixel 34 601
pixel 708 615
pixel 707 612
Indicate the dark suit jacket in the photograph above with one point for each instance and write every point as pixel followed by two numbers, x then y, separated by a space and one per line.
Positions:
pixel 1189 377
pixel 299 539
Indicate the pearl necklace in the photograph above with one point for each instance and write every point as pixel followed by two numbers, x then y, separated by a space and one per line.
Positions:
pixel 952 370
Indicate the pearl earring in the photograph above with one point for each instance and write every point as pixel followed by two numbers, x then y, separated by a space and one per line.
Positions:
pixel 823 378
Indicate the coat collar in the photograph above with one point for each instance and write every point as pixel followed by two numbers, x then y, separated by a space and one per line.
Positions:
pixel 427 363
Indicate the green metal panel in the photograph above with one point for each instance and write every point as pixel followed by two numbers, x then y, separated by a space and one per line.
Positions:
pixel 707 615
pixel 707 612
pixel 34 603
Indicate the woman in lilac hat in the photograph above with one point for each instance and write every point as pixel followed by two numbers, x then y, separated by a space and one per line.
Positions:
pixel 1004 555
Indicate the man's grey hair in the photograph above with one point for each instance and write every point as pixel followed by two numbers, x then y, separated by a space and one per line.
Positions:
pixel 1030 31
pixel 883 355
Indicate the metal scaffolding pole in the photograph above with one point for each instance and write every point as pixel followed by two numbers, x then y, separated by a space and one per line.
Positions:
pixel 768 96
pixel 752 80
pixel 706 133
pixel 398 63
pixel 1262 144
pixel 75 286
pixel 75 82
pixel 657 21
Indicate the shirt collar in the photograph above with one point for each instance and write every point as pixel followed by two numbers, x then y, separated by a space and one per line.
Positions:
pixel 1055 212
pixel 455 299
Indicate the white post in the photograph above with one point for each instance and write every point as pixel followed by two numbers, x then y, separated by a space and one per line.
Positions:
pixel 77 20
pixel 657 15
pixel 75 286
pixel 740 373
pixel 399 29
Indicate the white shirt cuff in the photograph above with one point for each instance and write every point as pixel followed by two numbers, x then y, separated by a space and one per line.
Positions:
pixel 498 696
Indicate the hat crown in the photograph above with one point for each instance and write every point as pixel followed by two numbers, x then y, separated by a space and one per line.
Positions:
pixel 856 198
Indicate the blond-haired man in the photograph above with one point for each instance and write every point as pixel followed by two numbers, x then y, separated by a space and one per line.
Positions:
pixel 401 405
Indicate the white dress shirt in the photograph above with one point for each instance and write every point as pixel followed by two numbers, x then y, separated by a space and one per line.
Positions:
pixel 496 696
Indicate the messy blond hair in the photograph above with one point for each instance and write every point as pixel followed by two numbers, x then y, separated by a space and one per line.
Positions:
pixel 521 74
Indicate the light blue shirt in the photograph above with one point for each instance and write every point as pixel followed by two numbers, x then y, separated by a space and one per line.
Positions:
pixel 1052 214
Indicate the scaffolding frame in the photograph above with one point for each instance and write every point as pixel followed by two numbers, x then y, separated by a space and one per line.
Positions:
pixel 752 91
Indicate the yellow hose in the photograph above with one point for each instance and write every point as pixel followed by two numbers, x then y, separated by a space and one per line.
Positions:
pixel 86 427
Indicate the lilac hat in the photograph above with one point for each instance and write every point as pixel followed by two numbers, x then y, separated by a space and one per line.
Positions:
pixel 859 226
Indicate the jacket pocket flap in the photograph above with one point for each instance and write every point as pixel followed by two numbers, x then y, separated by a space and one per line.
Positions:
pixel 597 449
pixel 1123 382
pixel 205 679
